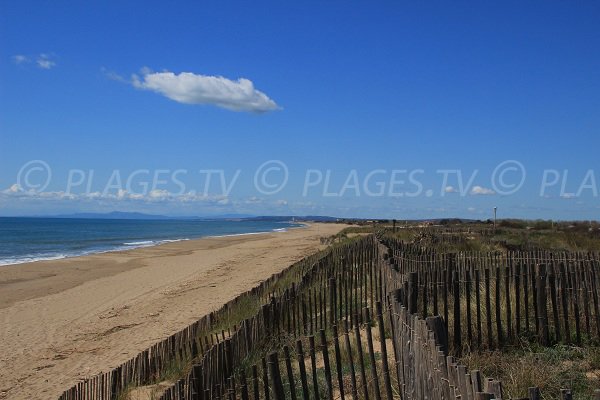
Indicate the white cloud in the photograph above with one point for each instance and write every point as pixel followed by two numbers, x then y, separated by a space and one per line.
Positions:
pixel 190 88
pixel 121 195
pixel 93 195
pixel 253 200
pixel 112 75
pixel 44 61
pixel 478 190
pixel 54 195
pixel 159 194
pixel 450 189
pixel 471 209
pixel 13 189
pixel 20 59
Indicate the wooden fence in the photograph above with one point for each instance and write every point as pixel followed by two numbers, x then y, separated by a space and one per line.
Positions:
pixel 412 361
pixel 430 306
pixel 490 300
pixel 339 286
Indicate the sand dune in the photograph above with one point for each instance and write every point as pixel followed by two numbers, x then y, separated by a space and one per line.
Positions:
pixel 68 319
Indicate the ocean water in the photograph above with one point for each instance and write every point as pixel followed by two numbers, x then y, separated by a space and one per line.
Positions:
pixel 33 239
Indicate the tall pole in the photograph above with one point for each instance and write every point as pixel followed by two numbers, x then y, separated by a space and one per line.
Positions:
pixel 495 209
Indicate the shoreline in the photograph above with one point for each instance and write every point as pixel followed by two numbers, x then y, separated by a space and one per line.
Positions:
pixel 68 319
pixel 143 244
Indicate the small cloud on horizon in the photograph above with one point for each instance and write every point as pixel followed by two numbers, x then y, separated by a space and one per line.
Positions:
pixel 450 189
pixel 13 189
pixel 155 195
pixel 479 190
pixel 153 201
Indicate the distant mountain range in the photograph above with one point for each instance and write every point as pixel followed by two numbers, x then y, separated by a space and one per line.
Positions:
pixel 138 215
pixel 246 217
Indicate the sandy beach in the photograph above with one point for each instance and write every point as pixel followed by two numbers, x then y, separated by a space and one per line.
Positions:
pixel 68 319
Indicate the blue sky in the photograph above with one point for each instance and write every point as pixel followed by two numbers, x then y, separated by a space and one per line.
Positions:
pixel 336 100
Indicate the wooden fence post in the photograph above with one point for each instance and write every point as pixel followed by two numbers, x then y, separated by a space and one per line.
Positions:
pixel 276 377
pixel 534 393
pixel 544 335
pixel 290 374
pixel 361 363
pixel 313 363
pixel 265 377
pixel 352 371
pixel 413 292
pixel 302 368
pixel 488 308
pixel 456 323
pixel 373 363
pixel 338 362
pixel 566 394
pixel 384 354
pixel 326 364
pixel 555 318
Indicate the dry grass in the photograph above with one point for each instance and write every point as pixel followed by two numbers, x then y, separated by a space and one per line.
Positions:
pixel 551 369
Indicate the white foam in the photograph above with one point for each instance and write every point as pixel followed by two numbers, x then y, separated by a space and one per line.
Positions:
pixel 258 233
pixel 28 259
pixel 125 246
pixel 141 243
pixel 171 240
pixel 238 234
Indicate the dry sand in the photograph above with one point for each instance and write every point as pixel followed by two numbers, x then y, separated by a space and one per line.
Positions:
pixel 68 319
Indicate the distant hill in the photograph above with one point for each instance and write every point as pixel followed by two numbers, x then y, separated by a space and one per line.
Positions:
pixel 112 215
pixel 138 215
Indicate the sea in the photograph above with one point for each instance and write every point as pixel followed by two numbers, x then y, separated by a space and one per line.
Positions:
pixel 33 239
